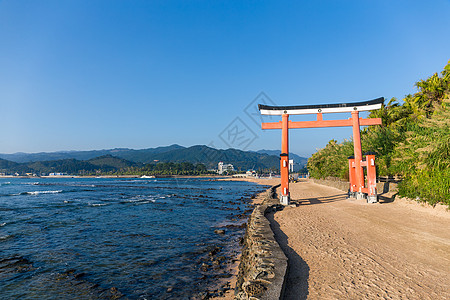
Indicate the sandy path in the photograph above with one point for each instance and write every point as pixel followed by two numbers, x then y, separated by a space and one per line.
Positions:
pixel 343 249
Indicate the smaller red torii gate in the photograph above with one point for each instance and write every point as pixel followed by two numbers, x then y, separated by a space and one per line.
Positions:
pixel 356 173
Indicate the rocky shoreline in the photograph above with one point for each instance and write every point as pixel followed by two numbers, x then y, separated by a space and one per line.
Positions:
pixel 221 262
pixel 263 264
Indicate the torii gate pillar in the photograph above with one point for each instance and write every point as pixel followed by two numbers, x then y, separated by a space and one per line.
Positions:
pixel 284 160
pixel 359 172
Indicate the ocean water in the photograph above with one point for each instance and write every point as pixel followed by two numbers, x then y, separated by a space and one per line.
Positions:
pixel 95 238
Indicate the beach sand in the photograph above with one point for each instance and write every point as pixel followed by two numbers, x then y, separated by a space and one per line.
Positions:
pixel 347 249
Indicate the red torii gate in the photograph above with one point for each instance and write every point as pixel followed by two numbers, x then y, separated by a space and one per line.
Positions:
pixel 356 164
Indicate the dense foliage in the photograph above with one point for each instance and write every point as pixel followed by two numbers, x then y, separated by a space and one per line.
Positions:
pixel 103 165
pixel 184 168
pixel 110 165
pixel 413 142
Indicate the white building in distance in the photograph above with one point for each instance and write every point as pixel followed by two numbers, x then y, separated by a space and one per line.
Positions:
pixel 221 168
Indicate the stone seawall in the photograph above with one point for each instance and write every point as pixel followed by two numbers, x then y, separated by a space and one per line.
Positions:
pixel 263 264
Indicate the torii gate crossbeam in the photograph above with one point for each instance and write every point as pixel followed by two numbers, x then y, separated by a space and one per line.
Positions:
pixel 354 122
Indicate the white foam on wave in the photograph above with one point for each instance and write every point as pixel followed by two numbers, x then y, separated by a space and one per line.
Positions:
pixel 140 199
pixel 145 202
pixel 2 224
pixel 43 192
pixel 84 185
pixel 98 204
pixel 5 237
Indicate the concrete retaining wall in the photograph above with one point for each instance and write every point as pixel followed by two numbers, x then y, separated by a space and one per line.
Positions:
pixel 382 187
pixel 263 264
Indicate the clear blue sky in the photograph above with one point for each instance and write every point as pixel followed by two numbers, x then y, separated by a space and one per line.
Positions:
pixel 82 75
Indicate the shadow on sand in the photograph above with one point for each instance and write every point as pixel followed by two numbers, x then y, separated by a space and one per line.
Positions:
pixel 296 282
pixel 382 198
pixel 320 200
pixel 386 198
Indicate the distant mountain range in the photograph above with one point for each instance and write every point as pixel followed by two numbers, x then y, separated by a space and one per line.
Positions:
pixel 143 155
pixel 119 159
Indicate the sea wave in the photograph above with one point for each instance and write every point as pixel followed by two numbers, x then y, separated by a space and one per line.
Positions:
pixel 41 192
pixel 82 185
pixel 97 204
pixel 145 202
pixel 5 237
pixel 34 193
pixel 140 199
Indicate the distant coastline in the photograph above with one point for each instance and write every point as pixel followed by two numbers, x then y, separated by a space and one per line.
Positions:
pixel 119 176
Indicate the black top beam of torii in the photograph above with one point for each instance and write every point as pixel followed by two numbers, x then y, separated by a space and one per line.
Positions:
pixel 322 108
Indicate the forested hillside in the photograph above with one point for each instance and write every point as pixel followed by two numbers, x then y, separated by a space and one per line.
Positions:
pixel 171 160
pixel 242 160
pixel 413 142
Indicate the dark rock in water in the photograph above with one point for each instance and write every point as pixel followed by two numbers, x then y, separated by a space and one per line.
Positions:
pixel 204 296
pixel 114 293
pixel 204 267
pixel 255 288
pixel 75 285
pixel 225 275
pixel 242 216
pixel 15 264
pixel 221 258
pixel 215 251
pixel 219 231
pixel 243 225
pixel 68 272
